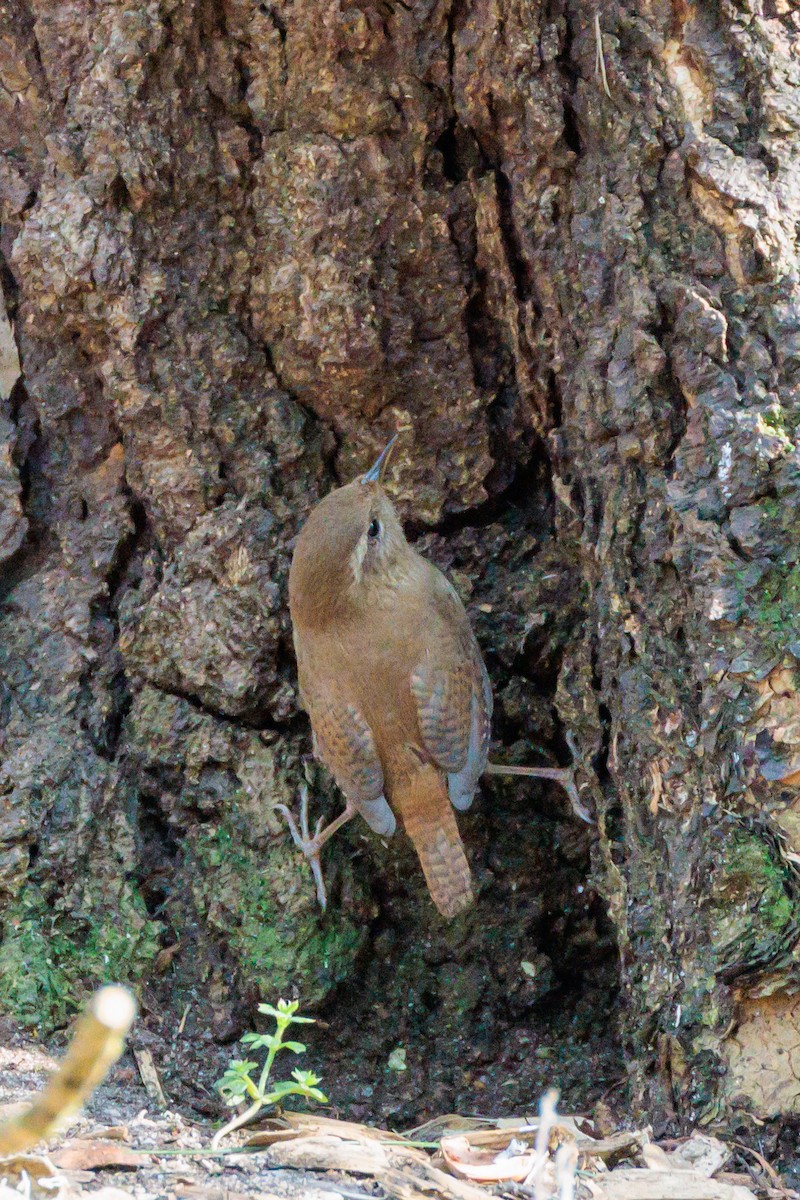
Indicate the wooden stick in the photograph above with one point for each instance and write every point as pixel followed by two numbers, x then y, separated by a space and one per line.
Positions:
pixel 96 1045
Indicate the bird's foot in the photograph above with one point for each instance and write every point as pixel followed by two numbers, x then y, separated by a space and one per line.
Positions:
pixel 566 777
pixel 563 775
pixel 311 846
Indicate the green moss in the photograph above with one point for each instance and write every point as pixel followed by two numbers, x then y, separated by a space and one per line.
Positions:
pixel 763 597
pixel 750 922
pixel 776 605
pixel 751 908
pixel 263 905
pixel 781 420
pixel 775 418
pixel 50 959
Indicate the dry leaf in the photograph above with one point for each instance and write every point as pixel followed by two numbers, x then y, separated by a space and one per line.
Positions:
pixel 268 1137
pixel 150 1079
pixel 453 1123
pixel 625 1144
pixel 311 1123
pixel 84 1155
pixel 511 1164
pixel 564 1128
pixel 762 1162
pixel 111 1133
pixel 35 1175
pixel 403 1171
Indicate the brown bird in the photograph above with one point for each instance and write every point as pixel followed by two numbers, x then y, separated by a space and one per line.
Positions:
pixel 392 678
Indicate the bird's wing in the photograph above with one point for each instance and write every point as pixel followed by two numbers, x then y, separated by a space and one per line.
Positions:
pixel 343 741
pixel 453 695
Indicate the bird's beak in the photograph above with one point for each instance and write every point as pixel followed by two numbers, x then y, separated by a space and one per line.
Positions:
pixel 377 471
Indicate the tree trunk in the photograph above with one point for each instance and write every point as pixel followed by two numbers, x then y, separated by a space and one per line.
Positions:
pixel 556 244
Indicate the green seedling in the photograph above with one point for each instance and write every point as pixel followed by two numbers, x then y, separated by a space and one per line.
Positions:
pixel 237 1084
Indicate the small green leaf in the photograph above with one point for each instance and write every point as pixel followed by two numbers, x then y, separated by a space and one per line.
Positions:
pixel 284 1013
pixel 257 1040
pixel 285 1088
pixel 237 1083
pixel 528 969
pixel 268 1010
pixel 305 1078
pixel 232 1087
pixel 239 1068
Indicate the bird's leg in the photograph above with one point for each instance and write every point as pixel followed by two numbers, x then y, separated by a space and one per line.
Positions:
pixel 311 846
pixel 563 775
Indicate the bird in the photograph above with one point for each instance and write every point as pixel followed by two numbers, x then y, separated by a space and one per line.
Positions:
pixel 394 683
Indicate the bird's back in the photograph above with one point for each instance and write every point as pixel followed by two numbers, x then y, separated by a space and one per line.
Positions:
pixel 409 666
pixel 427 627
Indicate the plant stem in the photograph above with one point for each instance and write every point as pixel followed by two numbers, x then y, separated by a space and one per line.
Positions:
pixel 273 1050
pixel 258 1103
pixel 239 1119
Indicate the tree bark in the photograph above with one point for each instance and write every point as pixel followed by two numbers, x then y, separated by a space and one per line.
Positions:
pixel 556 245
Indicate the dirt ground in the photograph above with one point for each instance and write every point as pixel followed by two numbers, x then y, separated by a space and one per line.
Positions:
pixel 128 1145
pixel 123 1107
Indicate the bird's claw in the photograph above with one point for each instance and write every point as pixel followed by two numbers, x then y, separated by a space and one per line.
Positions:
pixel 565 776
pixel 572 790
pixel 310 847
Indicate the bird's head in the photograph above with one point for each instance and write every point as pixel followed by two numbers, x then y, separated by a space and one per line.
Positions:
pixel 351 548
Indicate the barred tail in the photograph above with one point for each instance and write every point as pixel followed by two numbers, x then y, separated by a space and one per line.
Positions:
pixel 430 822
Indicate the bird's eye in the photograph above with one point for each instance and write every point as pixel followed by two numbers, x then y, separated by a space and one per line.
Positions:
pixel 374 528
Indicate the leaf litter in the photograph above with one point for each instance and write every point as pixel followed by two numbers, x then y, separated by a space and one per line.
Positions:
pixel 124 1147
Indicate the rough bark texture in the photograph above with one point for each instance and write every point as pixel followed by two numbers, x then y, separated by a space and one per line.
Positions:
pixel 555 243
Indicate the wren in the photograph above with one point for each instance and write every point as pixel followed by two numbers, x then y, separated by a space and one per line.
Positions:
pixel 394 683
